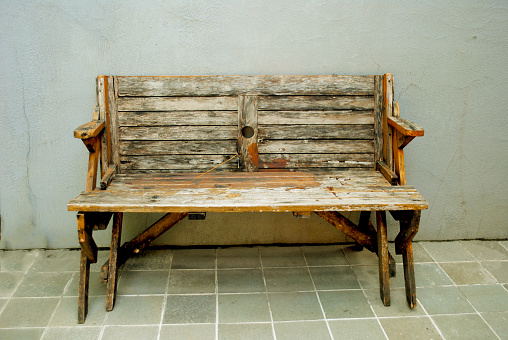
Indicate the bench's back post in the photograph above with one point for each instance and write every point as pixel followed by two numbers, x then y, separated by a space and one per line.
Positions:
pixel 248 132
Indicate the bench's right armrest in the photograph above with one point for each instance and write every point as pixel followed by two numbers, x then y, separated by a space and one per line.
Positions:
pixel 89 130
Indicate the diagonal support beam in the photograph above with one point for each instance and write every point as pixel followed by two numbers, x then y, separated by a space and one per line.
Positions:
pixel 143 240
pixel 409 223
pixel 364 235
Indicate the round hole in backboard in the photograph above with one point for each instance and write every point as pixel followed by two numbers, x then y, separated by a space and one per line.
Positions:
pixel 247 132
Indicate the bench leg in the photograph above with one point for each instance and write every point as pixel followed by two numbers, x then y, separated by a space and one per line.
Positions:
pixel 383 257
pixel 84 279
pixel 113 261
pixel 409 275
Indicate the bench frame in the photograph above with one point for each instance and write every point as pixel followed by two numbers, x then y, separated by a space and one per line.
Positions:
pixel 392 132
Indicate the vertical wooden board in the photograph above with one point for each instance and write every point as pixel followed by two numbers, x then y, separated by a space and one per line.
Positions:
pixel 387 111
pixel 378 119
pixel 113 113
pixel 383 257
pixel 248 132
pixel 113 260
pixel 101 103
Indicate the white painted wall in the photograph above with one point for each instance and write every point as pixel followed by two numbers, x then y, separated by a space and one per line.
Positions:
pixel 449 59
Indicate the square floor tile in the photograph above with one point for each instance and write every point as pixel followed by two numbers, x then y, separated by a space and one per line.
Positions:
pixel 186 332
pixel 153 259
pixel 444 300
pixel 327 278
pixel 240 281
pixel 21 333
pixel 448 251
pixel 37 284
pixel 345 304
pixel 301 330
pixel 487 298
pixel 368 276
pixel 8 282
pixel 364 257
pixel 17 260
pixel 398 307
pixel 193 259
pixel 294 306
pixel 190 309
pixel 191 281
pixel 419 253
pixel 324 255
pixel 256 331
pixel 429 275
pixel 498 322
pixel 28 312
pixel 463 326
pixel 136 310
pixel 243 308
pixel 142 282
pixel 356 329
pixel 288 279
pixel 499 269
pixel 130 332
pixel 409 328
pixel 96 287
pixel 56 261
pixel 238 257
pixel 282 256
pixel 486 250
pixel 467 273
pixel 66 313
pixel 75 333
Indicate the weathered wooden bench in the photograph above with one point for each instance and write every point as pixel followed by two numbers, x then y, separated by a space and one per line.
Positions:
pixel 190 145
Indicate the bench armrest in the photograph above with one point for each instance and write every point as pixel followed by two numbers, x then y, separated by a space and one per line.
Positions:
pixel 405 127
pixel 89 130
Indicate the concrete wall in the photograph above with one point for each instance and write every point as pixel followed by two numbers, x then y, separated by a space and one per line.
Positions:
pixel 449 59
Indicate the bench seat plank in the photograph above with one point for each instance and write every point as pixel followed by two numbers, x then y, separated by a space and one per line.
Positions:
pixel 242 192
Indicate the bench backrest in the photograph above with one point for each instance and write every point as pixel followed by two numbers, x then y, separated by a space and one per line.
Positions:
pixel 275 123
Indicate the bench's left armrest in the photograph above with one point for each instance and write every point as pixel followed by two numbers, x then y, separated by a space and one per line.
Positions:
pixel 89 130
pixel 405 127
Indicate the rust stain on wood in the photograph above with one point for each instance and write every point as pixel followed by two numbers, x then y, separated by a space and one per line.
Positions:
pixel 253 153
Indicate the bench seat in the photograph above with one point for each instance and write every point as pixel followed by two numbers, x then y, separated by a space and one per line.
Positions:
pixel 250 192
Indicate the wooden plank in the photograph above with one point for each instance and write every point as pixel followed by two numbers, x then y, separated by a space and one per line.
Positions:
pixel 113 113
pixel 378 118
pixel 390 176
pixel 406 127
pixel 108 177
pixel 178 133
pixel 177 162
pixel 383 258
pixel 168 118
pixel 208 147
pixel 387 112
pixel 409 224
pixel 84 280
pixel 316 146
pixel 248 132
pixel 399 165
pixel 409 275
pixel 237 85
pixel 327 131
pixel 93 159
pixel 315 117
pixel 102 103
pixel 90 129
pixel 316 103
pixel 296 161
pixel 88 246
pixel 142 240
pixel 177 103
pixel 116 235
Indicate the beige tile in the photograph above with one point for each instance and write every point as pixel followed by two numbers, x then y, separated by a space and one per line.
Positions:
pixel 410 328
pixel 75 333
pixel 499 269
pixel 486 250
pixel 21 333
pixel 468 273
pixel 463 326
pixel 498 322
pixel 131 332
pixel 448 251
pixel 487 298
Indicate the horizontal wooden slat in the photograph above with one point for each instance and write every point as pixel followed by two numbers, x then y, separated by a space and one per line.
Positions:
pixel 306 192
pixel 316 103
pixel 297 161
pixel 177 103
pixel 176 162
pixel 236 85
pixel 316 146
pixel 166 118
pixel 215 147
pixel 178 133
pixel 316 132
pixel 315 117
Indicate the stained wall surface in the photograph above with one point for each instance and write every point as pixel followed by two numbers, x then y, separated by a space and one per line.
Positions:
pixel 449 59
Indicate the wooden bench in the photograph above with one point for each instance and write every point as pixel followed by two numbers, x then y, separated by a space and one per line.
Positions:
pixel 190 145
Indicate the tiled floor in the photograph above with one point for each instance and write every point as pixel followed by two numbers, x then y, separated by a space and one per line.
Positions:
pixel 310 292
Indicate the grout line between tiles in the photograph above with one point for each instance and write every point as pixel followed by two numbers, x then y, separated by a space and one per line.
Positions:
pixel 216 298
pixel 165 299
pixel 477 312
pixel 267 295
pixel 431 320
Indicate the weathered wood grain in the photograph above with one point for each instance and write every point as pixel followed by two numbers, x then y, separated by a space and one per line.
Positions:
pixel 378 118
pixel 297 161
pixel 409 224
pixel 113 115
pixel 198 133
pixel 409 275
pixel 169 118
pixel 177 103
pixel 88 246
pixel 89 130
pixel 248 132
pixel 315 117
pixel 316 146
pixel 326 103
pixel 387 112
pixel 387 172
pixel 116 235
pixel 383 257
pixel 84 280
pixel 204 147
pixel 406 127
pixel 238 85
pixel 108 177
pixel 291 132
pixel 176 162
